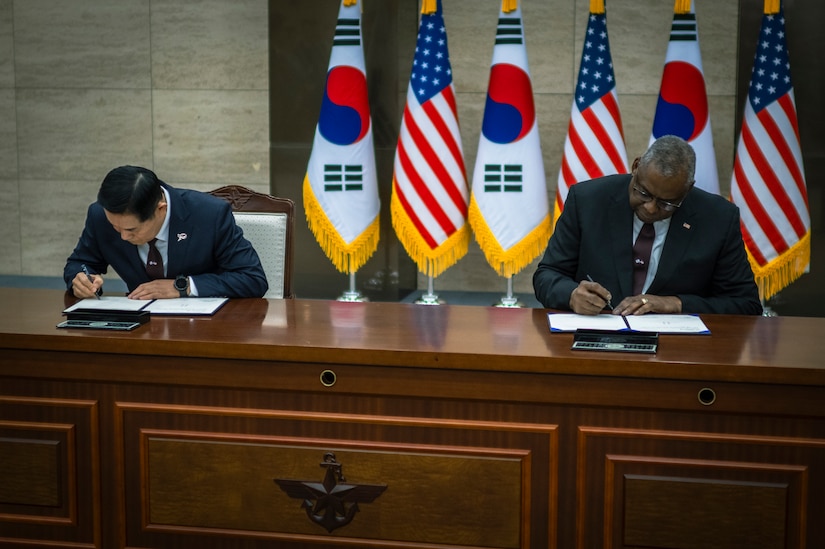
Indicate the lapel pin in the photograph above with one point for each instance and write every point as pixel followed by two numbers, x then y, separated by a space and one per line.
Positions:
pixel 181 236
pixel 685 225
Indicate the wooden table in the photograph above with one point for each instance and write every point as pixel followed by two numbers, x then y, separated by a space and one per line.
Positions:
pixel 295 423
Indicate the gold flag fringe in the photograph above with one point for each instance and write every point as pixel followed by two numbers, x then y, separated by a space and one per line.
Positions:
pixel 508 262
pixel 428 7
pixel 509 5
pixel 430 262
pixel 347 258
pixel 783 270
pixel 597 7
pixel 681 7
pixel 771 7
pixel 348 3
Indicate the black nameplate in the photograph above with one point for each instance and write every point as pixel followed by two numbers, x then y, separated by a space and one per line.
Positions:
pixel 608 340
pixel 114 315
pixel 105 320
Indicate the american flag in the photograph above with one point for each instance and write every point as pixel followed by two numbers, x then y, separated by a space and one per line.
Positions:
pixel 768 182
pixel 594 145
pixel 429 192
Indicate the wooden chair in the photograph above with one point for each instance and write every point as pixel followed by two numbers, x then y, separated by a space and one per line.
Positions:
pixel 267 222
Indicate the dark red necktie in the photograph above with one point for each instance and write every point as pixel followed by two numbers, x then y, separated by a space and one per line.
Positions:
pixel 154 263
pixel 641 256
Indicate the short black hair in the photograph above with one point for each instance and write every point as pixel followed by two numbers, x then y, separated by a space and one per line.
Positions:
pixel 131 190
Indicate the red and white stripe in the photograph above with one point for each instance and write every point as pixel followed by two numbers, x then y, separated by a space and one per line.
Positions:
pixel 430 178
pixel 768 180
pixel 594 145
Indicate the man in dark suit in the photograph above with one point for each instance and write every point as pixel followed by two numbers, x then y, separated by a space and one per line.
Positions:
pixel 188 239
pixel 698 262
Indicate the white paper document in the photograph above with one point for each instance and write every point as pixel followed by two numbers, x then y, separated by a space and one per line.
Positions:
pixel 564 322
pixel 663 324
pixel 184 306
pixel 109 303
pixel 668 324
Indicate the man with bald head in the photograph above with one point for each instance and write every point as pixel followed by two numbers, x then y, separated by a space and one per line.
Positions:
pixel 690 257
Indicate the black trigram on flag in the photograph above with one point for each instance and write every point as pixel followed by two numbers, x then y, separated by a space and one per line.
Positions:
pixel 503 177
pixel 683 27
pixel 342 177
pixel 347 33
pixel 509 31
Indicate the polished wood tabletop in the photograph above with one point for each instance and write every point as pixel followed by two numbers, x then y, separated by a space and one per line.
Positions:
pixel 785 350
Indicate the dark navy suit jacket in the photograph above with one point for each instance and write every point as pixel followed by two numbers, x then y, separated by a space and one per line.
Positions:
pixel 703 260
pixel 204 243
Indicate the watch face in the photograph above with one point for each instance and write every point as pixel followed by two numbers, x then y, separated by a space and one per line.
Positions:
pixel 181 283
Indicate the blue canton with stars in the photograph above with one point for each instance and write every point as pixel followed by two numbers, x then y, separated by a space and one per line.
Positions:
pixel 431 70
pixel 771 77
pixel 596 69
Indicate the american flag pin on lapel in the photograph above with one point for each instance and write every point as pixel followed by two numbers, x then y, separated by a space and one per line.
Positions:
pixel 686 225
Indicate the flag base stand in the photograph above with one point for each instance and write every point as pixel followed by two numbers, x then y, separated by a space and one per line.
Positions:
pixel 766 309
pixel 509 300
pixel 429 298
pixel 352 295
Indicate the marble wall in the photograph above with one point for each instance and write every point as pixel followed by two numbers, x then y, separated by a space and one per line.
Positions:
pixel 182 87
pixel 88 85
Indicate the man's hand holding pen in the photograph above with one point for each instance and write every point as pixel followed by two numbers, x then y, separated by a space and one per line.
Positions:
pixel 590 298
pixel 86 284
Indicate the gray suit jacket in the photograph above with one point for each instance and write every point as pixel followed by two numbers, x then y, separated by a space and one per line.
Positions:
pixel 703 261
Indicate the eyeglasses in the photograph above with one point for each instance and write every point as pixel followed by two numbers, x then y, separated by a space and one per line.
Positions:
pixel 663 204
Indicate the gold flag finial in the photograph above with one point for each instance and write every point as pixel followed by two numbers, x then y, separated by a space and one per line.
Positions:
pixel 597 6
pixel 771 7
pixel 681 7
pixel 428 6
pixel 509 5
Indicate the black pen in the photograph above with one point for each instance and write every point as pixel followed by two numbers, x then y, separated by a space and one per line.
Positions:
pixel 608 301
pixel 89 276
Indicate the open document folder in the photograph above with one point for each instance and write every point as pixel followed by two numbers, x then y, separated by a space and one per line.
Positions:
pixel 663 324
pixel 186 306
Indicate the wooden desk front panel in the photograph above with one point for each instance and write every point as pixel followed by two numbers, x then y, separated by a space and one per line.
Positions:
pixel 194 466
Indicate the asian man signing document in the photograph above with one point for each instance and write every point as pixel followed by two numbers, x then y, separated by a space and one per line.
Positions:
pixel 163 242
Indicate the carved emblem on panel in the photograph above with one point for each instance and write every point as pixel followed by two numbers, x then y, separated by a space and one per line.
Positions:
pixel 333 502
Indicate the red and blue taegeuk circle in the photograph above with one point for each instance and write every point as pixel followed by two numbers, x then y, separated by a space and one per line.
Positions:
pixel 509 114
pixel 682 108
pixel 345 110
